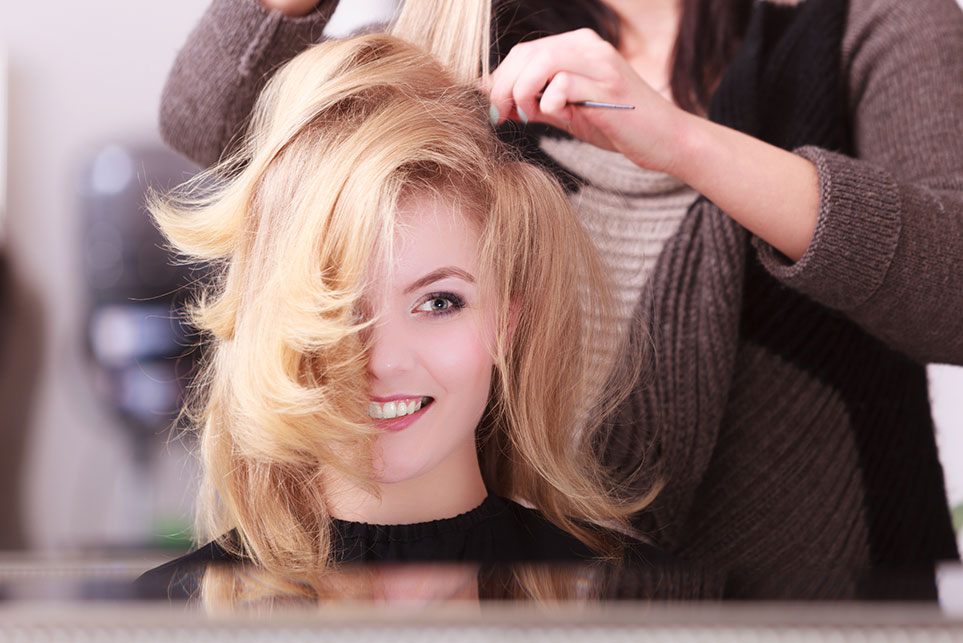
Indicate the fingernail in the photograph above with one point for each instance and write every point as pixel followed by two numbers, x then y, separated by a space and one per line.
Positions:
pixel 493 114
pixel 522 115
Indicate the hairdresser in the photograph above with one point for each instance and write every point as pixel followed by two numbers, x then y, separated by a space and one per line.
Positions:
pixel 787 197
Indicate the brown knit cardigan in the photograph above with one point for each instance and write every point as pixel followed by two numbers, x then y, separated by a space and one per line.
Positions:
pixel 788 410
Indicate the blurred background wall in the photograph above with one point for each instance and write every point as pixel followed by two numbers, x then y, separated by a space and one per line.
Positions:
pixel 82 78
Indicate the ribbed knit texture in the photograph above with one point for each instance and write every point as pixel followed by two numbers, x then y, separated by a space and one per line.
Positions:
pixel 630 212
pixel 221 69
pixel 787 408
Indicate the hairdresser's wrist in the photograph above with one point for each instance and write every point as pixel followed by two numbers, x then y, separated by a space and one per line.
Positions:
pixel 690 145
pixel 771 192
pixel 291 7
pixel 659 137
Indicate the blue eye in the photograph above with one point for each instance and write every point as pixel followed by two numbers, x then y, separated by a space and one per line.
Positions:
pixel 442 303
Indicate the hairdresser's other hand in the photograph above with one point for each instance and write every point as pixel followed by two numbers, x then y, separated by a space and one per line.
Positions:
pixel 291 7
pixel 539 79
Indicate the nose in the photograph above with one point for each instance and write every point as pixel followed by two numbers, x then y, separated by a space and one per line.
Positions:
pixel 389 352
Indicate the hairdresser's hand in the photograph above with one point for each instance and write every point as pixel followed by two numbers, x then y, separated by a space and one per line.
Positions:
pixel 291 7
pixel 771 192
pixel 539 79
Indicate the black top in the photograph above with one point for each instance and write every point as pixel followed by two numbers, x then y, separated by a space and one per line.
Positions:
pixel 497 531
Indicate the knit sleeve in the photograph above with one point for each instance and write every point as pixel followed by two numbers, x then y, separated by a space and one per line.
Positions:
pixel 888 245
pixel 222 67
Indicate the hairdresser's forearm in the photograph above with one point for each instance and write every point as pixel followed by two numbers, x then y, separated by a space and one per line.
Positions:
pixel 771 192
pixel 219 71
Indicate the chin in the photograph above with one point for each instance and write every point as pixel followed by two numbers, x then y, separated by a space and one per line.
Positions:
pixel 395 472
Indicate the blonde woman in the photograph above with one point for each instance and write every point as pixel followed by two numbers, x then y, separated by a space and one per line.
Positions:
pixel 397 352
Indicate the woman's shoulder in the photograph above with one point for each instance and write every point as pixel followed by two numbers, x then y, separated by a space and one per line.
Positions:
pixel 179 578
pixel 535 538
pixel 547 541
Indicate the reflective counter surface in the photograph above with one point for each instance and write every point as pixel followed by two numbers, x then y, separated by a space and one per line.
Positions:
pixel 44 599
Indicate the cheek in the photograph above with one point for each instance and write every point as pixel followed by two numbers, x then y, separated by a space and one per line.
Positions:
pixel 461 360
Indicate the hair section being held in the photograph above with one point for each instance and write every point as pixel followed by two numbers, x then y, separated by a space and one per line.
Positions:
pixel 456 33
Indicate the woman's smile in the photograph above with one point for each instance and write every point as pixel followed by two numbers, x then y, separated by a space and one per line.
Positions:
pixel 399 413
pixel 396 407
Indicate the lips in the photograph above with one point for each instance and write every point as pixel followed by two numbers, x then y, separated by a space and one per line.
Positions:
pixel 399 412
pixel 396 408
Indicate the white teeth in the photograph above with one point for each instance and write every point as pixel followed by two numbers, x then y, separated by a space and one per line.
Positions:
pixel 390 410
pixel 396 409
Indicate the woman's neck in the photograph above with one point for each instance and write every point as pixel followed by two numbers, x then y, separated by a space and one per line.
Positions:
pixel 454 487
pixel 648 32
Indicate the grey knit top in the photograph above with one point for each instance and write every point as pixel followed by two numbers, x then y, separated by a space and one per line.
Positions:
pixel 786 438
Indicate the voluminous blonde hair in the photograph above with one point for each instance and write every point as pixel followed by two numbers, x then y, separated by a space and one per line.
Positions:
pixel 291 223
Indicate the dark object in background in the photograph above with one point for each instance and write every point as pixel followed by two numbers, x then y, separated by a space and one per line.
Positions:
pixel 140 349
pixel 21 354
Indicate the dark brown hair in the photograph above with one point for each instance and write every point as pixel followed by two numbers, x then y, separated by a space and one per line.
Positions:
pixel 710 33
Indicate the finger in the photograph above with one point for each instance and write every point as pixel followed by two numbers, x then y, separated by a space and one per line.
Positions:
pixel 561 91
pixel 542 68
pixel 554 103
pixel 581 52
pixel 563 97
pixel 529 66
pixel 529 84
pixel 504 77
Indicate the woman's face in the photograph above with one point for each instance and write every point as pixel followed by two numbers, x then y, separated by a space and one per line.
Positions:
pixel 430 354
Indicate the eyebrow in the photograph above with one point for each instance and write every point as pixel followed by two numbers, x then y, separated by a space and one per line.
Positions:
pixel 438 275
